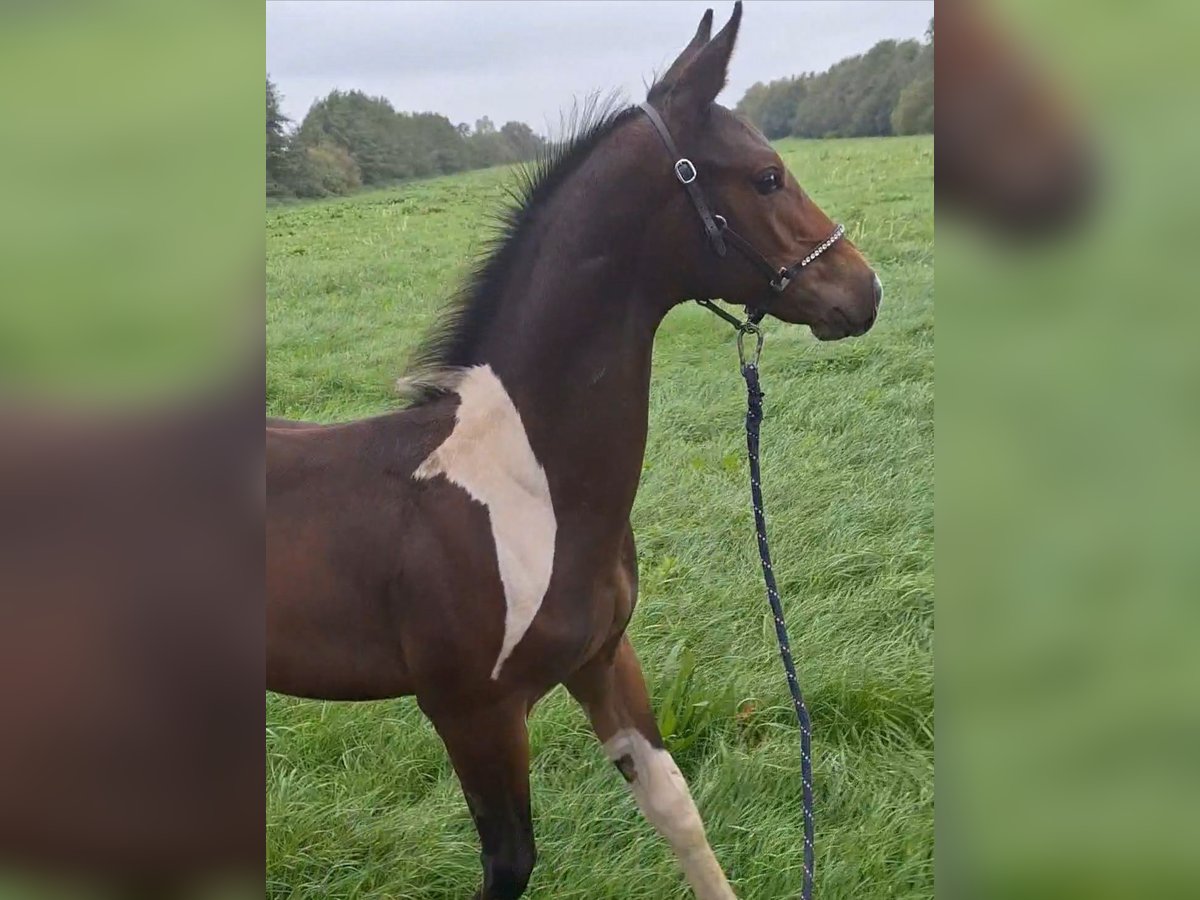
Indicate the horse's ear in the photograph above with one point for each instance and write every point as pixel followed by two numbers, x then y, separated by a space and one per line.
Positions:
pixel 662 86
pixel 703 78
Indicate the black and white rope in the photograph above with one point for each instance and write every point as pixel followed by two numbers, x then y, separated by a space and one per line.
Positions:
pixel 754 416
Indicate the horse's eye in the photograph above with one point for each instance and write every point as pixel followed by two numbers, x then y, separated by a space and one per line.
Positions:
pixel 768 182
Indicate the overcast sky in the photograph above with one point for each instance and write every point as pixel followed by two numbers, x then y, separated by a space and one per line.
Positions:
pixel 528 60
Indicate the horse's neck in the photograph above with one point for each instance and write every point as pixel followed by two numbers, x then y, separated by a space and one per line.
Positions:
pixel 572 344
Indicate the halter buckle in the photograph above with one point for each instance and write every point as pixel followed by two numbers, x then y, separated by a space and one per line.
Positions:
pixel 780 282
pixel 685 171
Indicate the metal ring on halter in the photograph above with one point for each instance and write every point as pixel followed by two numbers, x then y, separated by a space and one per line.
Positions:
pixel 717 228
pixel 744 329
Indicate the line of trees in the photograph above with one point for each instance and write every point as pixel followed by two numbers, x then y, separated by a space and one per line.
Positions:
pixel 887 90
pixel 348 140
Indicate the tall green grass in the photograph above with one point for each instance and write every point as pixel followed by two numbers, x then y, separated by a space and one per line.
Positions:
pixel 361 801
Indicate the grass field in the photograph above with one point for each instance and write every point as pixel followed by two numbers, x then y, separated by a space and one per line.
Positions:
pixel 361 801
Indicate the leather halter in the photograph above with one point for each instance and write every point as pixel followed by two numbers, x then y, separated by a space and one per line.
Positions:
pixel 718 230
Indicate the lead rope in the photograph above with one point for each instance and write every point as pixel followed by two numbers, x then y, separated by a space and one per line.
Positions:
pixel 754 417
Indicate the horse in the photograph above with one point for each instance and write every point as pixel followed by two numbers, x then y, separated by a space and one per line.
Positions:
pixel 474 548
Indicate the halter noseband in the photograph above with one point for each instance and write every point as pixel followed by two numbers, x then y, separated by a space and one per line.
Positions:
pixel 717 229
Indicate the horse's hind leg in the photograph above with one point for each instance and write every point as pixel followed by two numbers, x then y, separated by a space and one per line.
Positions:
pixel 489 748
pixel 613 692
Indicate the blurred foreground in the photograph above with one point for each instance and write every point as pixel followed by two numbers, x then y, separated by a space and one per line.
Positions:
pixel 1068 574
pixel 131 388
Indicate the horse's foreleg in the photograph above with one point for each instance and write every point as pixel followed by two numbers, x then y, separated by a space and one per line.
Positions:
pixel 613 692
pixel 489 748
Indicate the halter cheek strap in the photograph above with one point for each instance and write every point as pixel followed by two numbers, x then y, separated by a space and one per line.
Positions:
pixel 717 229
pixel 714 226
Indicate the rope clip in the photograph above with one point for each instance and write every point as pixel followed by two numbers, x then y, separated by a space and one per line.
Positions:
pixel 744 329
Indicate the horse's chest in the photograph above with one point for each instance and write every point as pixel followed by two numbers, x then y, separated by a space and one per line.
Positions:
pixel 562 592
pixel 488 455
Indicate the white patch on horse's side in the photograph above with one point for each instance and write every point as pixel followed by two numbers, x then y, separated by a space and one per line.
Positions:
pixel 665 801
pixel 488 455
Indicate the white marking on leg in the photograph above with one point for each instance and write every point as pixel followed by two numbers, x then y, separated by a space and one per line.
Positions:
pixel 488 455
pixel 662 793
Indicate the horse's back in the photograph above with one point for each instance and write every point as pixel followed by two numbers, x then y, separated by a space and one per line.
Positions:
pixel 396 442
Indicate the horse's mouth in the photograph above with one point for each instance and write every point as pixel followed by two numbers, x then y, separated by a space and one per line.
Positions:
pixel 825 332
pixel 838 326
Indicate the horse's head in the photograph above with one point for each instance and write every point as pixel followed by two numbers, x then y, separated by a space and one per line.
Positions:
pixel 747 186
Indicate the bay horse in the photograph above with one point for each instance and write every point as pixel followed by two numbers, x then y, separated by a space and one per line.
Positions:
pixel 474 549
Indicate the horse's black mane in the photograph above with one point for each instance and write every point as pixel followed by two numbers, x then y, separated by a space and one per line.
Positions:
pixel 451 342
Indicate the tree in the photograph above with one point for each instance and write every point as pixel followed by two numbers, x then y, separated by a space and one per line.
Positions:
pixel 514 142
pixel 348 139
pixel 860 95
pixel 277 145
pixel 523 142
pixel 779 107
pixel 914 109
pixel 367 128
pixel 329 169
pixel 752 102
